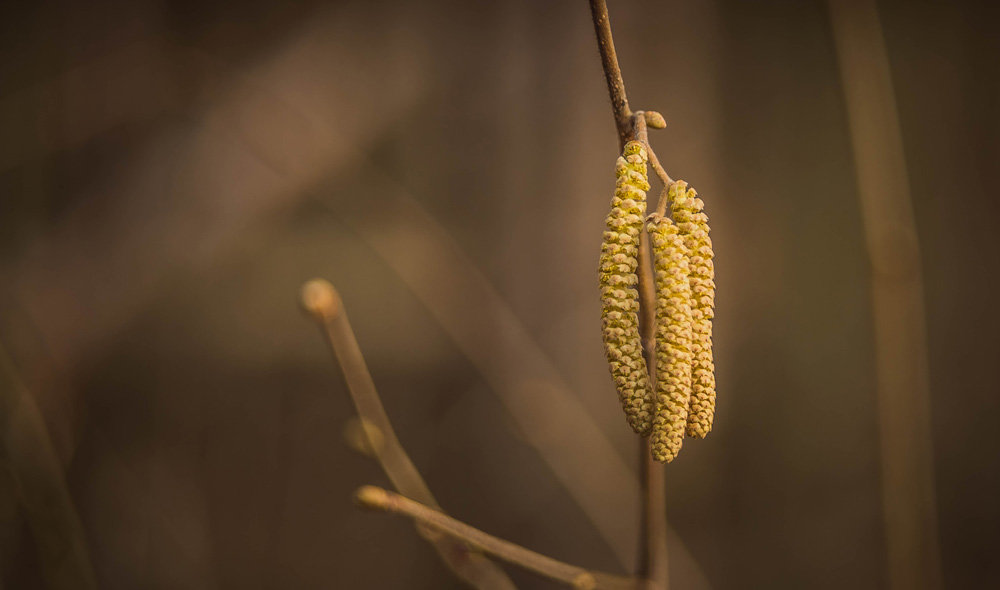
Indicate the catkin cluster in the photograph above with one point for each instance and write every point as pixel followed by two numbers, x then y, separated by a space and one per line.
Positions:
pixel 684 400
pixel 618 280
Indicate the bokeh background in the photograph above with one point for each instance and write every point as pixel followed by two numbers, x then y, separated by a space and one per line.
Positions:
pixel 172 171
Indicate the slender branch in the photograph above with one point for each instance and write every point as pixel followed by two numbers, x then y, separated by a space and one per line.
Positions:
pixel 647 293
pixel 654 162
pixel 639 127
pixel 655 516
pixel 664 200
pixel 640 121
pixel 612 73
pixel 377 498
pixel 323 303
pixel 653 530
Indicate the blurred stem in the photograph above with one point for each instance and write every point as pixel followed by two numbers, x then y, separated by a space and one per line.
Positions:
pixel 323 302
pixel 26 454
pixel 653 526
pixel 903 389
pixel 379 499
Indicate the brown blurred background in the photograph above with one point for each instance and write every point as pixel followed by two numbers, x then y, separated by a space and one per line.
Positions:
pixel 171 172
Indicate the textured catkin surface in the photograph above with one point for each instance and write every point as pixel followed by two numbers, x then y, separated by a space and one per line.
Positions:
pixel 619 297
pixel 688 213
pixel 673 339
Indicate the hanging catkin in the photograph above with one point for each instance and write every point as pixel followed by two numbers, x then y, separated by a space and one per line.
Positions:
pixel 619 298
pixel 693 225
pixel 673 338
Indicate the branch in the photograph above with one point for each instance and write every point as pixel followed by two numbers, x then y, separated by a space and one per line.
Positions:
pixel 654 564
pixel 376 498
pixel 323 303
pixel 647 293
pixel 612 73
pixel 653 530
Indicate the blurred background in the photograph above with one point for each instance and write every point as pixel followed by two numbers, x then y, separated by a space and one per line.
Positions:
pixel 172 171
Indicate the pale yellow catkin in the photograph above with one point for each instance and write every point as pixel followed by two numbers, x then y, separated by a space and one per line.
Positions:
pixel 619 297
pixel 688 213
pixel 673 338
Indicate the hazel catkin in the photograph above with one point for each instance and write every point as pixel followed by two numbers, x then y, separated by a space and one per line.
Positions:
pixel 673 338
pixel 619 297
pixel 688 213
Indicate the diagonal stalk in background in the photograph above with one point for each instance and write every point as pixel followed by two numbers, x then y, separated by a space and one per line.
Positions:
pixel 903 390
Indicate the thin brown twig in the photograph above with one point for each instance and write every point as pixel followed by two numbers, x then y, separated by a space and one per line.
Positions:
pixel 653 530
pixel 647 294
pixel 654 162
pixel 663 201
pixel 639 127
pixel 379 499
pixel 323 303
pixel 612 72
pixel 641 120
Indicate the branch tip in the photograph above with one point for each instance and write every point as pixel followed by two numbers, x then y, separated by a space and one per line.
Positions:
pixel 372 498
pixel 320 299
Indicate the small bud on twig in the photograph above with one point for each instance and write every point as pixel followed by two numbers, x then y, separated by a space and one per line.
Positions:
pixel 655 119
pixel 372 498
pixel 320 299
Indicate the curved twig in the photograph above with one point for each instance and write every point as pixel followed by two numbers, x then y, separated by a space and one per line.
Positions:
pixel 323 303
pixel 379 499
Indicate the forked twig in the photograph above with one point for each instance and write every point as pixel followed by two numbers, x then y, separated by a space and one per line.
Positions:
pixel 323 303
pixel 577 577
pixel 461 544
